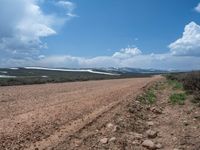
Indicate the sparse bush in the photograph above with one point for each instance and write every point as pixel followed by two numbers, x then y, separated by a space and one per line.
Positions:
pixel 175 84
pixel 190 82
pixel 148 97
pixel 171 76
pixel 196 98
pixel 178 98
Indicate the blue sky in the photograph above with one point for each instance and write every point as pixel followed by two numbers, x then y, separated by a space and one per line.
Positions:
pixel 100 33
pixel 105 25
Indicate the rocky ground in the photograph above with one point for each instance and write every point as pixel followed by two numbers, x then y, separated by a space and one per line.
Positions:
pixel 101 115
pixel 43 116
pixel 137 126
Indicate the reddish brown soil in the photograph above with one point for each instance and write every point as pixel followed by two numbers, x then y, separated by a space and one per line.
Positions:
pixel 178 125
pixel 125 126
pixel 44 116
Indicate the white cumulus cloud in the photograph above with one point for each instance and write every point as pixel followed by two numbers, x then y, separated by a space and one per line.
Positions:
pixel 69 6
pixel 138 60
pixel 23 24
pixel 197 8
pixel 127 52
pixel 189 43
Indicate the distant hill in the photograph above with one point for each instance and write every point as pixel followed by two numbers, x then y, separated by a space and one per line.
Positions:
pixel 127 70
pixel 45 72
pixel 39 75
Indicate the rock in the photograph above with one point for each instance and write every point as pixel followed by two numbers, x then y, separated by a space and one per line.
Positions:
pixel 77 142
pixel 148 144
pixel 148 108
pixel 151 133
pixel 189 112
pixel 184 141
pixel 110 125
pixel 132 136
pixel 195 127
pixel 150 123
pixel 136 142
pixel 185 123
pixel 137 102
pixel 112 139
pixel 104 140
pixel 159 146
pixel 154 116
pixel 115 128
pixel 174 139
pixel 197 117
pixel 156 110
pixel 131 110
pixel 137 136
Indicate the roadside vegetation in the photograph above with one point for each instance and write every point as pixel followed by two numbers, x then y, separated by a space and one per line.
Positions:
pixel 190 82
pixel 178 98
pixel 176 85
pixel 148 97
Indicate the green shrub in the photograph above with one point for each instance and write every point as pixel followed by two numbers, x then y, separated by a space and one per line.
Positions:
pixel 148 97
pixel 175 84
pixel 190 82
pixel 178 98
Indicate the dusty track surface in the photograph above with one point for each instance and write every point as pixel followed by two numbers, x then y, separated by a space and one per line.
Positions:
pixel 43 116
pixel 135 125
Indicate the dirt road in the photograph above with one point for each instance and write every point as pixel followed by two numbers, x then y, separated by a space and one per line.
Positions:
pixel 136 124
pixel 42 116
